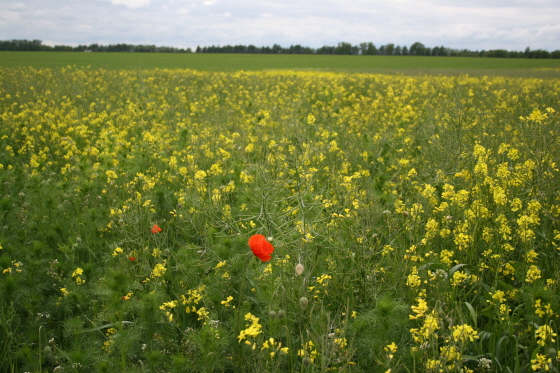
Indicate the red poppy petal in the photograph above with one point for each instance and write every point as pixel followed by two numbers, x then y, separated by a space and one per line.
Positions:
pixel 260 247
pixel 265 258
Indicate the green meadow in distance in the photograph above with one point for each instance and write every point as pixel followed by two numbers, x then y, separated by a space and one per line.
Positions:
pixel 235 62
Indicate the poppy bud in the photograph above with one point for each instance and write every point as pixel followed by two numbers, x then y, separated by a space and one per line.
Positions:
pixel 281 314
pixel 272 315
pixel 405 213
pixel 299 269
pixel 303 302
pixel 306 361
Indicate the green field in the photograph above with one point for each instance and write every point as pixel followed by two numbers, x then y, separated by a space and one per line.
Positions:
pixel 414 216
pixel 247 62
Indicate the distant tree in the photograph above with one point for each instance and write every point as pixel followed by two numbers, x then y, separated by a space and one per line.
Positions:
pixel 397 51
pixel 368 49
pixel 389 49
pixel 499 53
pixel 63 48
pixel 363 48
pixel 539 53
pixel 276 49
pixel 326 50
pixel 296 49
pixel 405 51
pixel 343 48
pixel 417 49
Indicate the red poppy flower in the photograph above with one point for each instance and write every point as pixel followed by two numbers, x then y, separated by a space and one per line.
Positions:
pixel 156 229
pixel 131 258
pixel 261 247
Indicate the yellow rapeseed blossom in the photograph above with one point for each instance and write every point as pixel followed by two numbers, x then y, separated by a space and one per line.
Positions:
pixel 464 333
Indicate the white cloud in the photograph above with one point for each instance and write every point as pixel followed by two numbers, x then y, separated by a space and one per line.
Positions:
pixel 472 24
pixel 132 4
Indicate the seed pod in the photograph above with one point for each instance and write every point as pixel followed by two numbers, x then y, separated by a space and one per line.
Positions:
pixel 299 269
pixel 303 301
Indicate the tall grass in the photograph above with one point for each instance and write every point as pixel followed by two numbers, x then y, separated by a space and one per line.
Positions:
pixel 414 221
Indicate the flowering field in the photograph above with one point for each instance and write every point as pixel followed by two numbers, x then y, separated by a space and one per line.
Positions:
pixel 280 221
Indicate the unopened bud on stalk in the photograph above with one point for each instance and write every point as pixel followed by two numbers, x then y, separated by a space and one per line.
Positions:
pixel 281 314
pixel 272 315
pixel 405 213
pixel 449 217
pixel 299 269
pixel 306 361
pixel 303 302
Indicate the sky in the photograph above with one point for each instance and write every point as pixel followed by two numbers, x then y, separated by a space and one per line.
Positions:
pixel 458 24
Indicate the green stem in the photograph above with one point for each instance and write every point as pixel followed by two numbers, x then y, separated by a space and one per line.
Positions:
pixel 237 327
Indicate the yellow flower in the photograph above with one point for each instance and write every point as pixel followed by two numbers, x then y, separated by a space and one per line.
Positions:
pixel 226 302
pixel 541 362
pixel 159 270
pixel 533 274
pixel 464 333
pixel 391 349
pixel 545 334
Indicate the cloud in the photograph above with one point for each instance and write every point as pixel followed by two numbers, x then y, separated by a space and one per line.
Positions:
pixel 132 4
pixel 472 24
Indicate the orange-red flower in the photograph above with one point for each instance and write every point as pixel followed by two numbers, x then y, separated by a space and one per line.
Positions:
pixel 261 247
pixel 156 229
pixel 131 258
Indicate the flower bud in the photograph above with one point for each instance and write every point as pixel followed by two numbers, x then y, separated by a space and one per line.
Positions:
pixel 281 314
pixel 272 315
pixel 303 302
pixel 299 269
pixel 306 361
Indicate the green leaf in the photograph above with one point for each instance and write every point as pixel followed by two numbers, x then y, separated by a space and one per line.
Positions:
pixel 103 327
pixel 473 313
pixel 454 269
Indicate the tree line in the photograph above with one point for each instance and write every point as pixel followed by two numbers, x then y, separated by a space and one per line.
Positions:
pixel 366 48
pixel 37 45
pixel 369 49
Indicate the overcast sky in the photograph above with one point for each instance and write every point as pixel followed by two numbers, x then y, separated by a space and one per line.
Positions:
pixel 471 24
